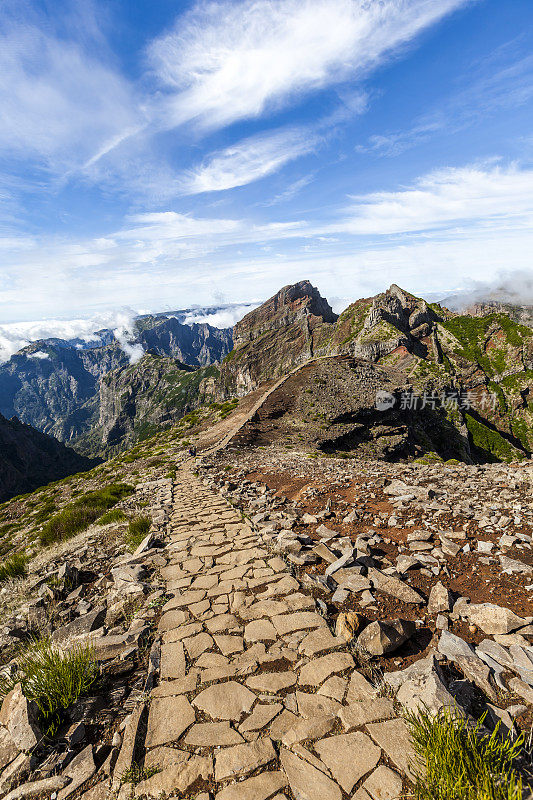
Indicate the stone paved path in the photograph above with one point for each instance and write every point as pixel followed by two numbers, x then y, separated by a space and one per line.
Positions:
pixel 257 699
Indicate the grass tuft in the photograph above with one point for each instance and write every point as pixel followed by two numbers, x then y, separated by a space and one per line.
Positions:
pixel 82 512
pixel 52 678
pixel 115 515
pixel 457 761
pixel 137 530
pixel 13 567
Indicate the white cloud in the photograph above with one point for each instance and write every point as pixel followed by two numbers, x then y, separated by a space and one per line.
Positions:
pixel 40 355
pixel 59 104
pixel 225 318
pixel 249 160
pixel 226 61
pixel 445 198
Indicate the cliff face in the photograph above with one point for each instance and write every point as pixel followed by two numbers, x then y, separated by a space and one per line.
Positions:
pixel 288 329
pixel 198 344
pixel 55 385
pixel 55 390
pixel 137 401
pixel 487 359
pixel 30 459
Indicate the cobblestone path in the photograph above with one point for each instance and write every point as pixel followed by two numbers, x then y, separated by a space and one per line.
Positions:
pixel 256 698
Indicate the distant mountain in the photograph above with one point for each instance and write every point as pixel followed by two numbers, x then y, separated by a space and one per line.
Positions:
pixel 54 384
pixel 30 459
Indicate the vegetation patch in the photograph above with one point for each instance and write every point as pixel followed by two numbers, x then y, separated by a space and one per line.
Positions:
pixel 13 567
pixel 52 678
pixel 115 515
pixel 456 761
pixel 78 515
pixel 491 442
pixel 137 530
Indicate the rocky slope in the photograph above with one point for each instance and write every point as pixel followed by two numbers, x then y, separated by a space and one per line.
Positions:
pixel 30 459
pixel 137 401
pixel 475 371
pixel 55 385
pixel 266 637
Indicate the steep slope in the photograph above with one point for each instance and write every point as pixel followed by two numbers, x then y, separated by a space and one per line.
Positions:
pixel 54 385
pixel 197 344
pixel 288 329
pixel 30 459
pixel 137 401
pixel 476 370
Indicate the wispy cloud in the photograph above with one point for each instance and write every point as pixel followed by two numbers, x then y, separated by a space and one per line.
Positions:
pixel 230 61
pixel 60 103
pixel 445 199
pixel 249 160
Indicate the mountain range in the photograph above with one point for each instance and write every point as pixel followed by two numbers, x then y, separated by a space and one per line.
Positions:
pixel 474 370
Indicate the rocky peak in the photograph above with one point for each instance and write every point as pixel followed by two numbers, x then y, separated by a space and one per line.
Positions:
pixel 291 303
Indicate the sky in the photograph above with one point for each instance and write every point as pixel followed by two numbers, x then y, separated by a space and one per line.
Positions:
pixel 157 154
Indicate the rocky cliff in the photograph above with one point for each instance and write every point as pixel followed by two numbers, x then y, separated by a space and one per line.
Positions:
pixel 30 459
pixel 137 401
pixel 484 361
pixel 288 329
pixel 55 385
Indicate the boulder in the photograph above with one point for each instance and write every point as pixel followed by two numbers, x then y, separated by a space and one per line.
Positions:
pixel 385 636
pixel 492 619
pixel 440 599
pixel 19 715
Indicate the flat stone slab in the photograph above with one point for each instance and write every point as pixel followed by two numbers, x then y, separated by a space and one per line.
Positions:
pixel 271 682
pixel 358 714
pixel 393 737
pixel 383 784
pixel 260 630
pixel 261 716
pixel 316 671
pixel 177 778
pixel 226 701
pixel 172 661
pixel 260 787
pixel 348 756
pixel 169 717
pixel 307 782
pixel 243 758
pixel 212 734
pixel 318 641
pixel 299 621
pixel 172 619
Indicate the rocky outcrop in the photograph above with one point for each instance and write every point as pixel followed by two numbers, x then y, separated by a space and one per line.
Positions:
pixel 288 329
pixel 30 459
pixel 139 400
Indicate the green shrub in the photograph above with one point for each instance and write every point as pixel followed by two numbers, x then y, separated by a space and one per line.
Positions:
pixel 13 567
pixel 115 515
pixel 83 511
pixel 456 761
pixel 137 530
pixel 52 678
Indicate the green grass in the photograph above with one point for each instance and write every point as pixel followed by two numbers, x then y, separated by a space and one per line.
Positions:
pixel 115 515
pixel 137 530
pixel 13 567
pixel 491 442
pixel 52 678
pixel 456 761
pixel 83 511
pixel 135 774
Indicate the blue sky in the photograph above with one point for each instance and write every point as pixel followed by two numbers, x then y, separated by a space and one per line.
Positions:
pixel 157 154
